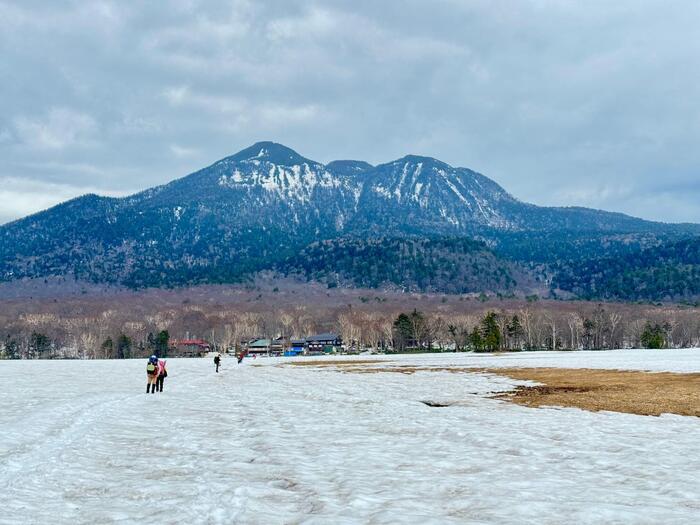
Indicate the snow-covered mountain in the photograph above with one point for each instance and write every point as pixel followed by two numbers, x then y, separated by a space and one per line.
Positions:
pixel 421 194
pixel 264 186
pixel 266 203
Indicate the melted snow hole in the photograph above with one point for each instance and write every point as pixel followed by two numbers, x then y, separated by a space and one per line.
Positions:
pixel 438 404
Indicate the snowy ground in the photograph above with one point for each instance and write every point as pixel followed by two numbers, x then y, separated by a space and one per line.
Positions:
pixel 81 442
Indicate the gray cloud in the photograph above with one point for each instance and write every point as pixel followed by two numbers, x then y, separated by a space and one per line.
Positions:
pixel 562 102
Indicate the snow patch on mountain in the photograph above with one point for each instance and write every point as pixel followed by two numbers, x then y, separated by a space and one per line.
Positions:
pixel 384 192
pixel 454 189
pixel 296 182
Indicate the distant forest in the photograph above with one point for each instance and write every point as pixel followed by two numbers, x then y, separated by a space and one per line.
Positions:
pixel 445 265
pixel 127 325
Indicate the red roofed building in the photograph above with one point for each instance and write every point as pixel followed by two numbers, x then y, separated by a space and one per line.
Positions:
pixel 190 347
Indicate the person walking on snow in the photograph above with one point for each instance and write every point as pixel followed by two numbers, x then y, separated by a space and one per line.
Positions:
pixel 151 374
pixel 162 374
pixel 217 361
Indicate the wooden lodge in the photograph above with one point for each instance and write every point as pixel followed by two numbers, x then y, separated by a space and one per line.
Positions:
pixel 279 346
pixel 189 347
pixel 323 344
pixel 328 343
pixel 296 347
pixel 259 347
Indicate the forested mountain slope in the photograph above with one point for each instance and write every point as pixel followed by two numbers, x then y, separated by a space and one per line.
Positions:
pixel 670 271
pixel 268 207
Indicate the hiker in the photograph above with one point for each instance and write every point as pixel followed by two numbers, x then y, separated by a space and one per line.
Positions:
pixel 151 374
pixel 217 361
pixel 162 374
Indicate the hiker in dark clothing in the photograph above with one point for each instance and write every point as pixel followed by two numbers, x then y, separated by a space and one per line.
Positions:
pixel 151 374
pixel 217 362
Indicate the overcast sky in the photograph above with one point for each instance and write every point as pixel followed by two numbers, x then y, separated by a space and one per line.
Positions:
pixel 591 103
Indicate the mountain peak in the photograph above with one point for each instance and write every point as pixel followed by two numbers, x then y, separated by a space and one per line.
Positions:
pixel 418 159
pixel 270 152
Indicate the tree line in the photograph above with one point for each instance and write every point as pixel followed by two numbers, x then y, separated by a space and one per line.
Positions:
pixel 41 346
pixel 116 330
pixel 501 331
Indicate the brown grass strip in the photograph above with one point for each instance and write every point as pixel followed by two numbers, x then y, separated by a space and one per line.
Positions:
pixel 631 392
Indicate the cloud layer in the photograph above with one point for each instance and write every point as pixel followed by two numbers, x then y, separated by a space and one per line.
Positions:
pixel 562 102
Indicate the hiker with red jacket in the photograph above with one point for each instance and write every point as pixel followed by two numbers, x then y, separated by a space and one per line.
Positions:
pixel 162 374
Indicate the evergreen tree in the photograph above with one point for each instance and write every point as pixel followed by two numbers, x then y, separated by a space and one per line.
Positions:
pixel 410 331
pixel 515 333
pixel 39 345
pixel 402 332
pixel 654 336
pixel 162 342
pixel 476 341
pixel 490 332
pixel 107 348
pixel 124 347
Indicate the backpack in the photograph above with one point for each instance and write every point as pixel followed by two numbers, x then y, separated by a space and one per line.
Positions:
pixel 150 369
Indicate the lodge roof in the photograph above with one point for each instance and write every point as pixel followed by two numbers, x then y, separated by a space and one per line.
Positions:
pixel 259 343
pixel 190 342
pixel 322 337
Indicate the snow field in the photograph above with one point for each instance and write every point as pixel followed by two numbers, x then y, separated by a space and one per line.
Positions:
pixel 81 442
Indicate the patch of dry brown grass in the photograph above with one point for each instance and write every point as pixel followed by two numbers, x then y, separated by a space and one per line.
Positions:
pixel 632 392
